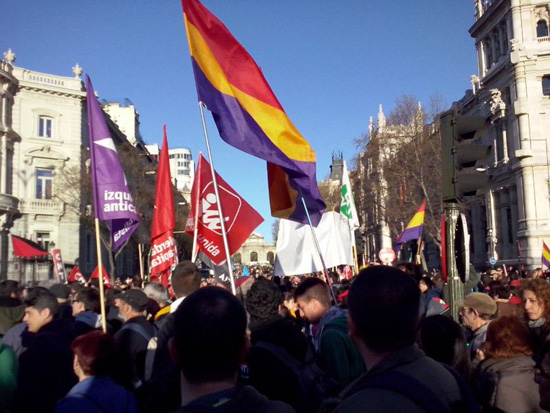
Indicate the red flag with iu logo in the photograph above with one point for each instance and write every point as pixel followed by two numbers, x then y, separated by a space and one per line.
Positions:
pixel 239 217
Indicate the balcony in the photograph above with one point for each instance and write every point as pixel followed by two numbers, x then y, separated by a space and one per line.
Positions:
pixel 41 206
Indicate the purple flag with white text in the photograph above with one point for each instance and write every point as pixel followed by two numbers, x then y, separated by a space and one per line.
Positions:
pixel 112 199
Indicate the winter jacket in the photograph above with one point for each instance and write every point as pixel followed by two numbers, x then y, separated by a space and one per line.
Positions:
pixel 337 355
pixel 8 376
pixel 97 395
pixel 539 332
pixel 86 322
pixel 238 399
pixel 265 369
pixel 508 385
pixel 411 362
pixel 46 368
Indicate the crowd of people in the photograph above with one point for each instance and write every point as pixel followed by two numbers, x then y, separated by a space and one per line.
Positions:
pixel 382 341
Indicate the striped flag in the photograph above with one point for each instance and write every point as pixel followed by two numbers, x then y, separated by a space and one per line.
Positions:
pixel 545 255
pixel 249 116
pixel 414 229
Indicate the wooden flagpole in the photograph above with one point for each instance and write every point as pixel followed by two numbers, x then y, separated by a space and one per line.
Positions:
pixel 220 213
pixel 100 270
pixel 318 248
pixel 140 254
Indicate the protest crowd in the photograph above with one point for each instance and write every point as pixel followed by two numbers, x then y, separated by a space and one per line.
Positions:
pixel 281 344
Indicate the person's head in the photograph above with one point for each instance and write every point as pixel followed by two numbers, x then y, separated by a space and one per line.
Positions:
pixel 9 288
pixel 42 308
pixel 476 310
pixel 185 279
pixel 263 300
pixel 507 337
pixel 425 284
pixel 95 354
pixel 383 307
pixel 536 299
pixel 62 292
pixel 444 340
pixel 498 290
pixel 210 336
pixel 414 270
pixel 157 292
pixel 136 282
pixel 313 299
pixel 87 299
pixel 131 303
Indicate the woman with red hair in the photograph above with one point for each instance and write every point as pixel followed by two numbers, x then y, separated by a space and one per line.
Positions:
pixel 96 364
pixel 506 373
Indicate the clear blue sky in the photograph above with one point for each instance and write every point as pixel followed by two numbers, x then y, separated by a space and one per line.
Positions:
pixel 330 63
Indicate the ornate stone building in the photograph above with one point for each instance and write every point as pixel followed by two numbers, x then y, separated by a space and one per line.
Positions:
pixel 44 156
pixel 512 219
pixel 256 250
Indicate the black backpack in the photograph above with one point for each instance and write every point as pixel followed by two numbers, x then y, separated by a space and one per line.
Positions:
pixel 314 384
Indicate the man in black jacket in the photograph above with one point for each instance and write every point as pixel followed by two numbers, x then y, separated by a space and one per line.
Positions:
pixel 45 372
pixel 136 331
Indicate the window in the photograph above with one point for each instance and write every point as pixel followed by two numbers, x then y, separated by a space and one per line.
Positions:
pixel 172 156
pixel 45 127
pixel 184 172
pixel 44 183
pixel 542 28
pixel 546 85
pixel 43 239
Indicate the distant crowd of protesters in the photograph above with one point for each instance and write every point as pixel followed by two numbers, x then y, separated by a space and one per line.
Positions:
pixel 381 341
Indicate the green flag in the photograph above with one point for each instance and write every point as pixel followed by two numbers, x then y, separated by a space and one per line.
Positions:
pixel 347 204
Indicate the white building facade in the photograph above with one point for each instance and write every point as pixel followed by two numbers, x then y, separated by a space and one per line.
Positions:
pixel 511 221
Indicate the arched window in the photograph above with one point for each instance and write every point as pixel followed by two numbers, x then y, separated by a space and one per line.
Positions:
pixel 271 257
pixel 253 256
pixel 546 85
pixel 542 28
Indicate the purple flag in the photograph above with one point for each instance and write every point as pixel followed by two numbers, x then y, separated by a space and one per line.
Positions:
pixel 112 199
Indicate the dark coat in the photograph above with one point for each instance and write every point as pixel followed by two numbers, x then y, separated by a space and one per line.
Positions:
pixel 133 345
pixel 266 373
pixel 508 385
pixel 46 368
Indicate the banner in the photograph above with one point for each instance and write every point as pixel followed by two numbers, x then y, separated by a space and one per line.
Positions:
pixel 296 252
pixel 58 266
pixel 239 217
pixel 112 199
pixel 164 254
pixel 106 280
pixel 347 203
pixel 76 276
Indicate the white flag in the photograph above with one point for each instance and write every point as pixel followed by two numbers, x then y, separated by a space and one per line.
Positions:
pixel 347 204
pixel 296 251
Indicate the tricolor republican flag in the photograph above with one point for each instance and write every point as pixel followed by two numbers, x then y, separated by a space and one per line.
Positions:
pixel 414 229
pixel 239 217
pixel 112 199
pixel 164 253
pixel 545 255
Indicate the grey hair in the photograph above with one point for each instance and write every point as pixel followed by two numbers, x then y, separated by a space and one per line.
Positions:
pixel 157 292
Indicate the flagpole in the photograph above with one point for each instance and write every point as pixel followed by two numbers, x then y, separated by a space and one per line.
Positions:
pixel 318 248
pixel 220 213
pixel 140 253
pixel 100 269
pixel 195 252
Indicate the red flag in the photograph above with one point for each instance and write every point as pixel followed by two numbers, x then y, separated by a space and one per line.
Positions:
pixel 240 218
pixel 164 254
pixel 24 248
pixel 76 275
pixel 95 275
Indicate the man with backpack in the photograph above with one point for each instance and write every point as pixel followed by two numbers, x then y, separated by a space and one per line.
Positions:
pixel 336 353
pixel 383 307
pixel 280 363
pixel 133 338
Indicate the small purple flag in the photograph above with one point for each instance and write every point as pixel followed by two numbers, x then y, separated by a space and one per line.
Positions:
pixel 112 199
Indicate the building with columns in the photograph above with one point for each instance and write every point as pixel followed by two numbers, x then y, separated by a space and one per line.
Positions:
pixel 512 88
pixel 44 158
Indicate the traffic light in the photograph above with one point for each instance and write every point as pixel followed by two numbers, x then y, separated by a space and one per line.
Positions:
pixel 463 156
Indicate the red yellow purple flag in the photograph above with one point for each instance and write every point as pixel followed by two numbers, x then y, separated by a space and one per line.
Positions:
pixel 545 255
pixel 249 116
pixel 414 228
